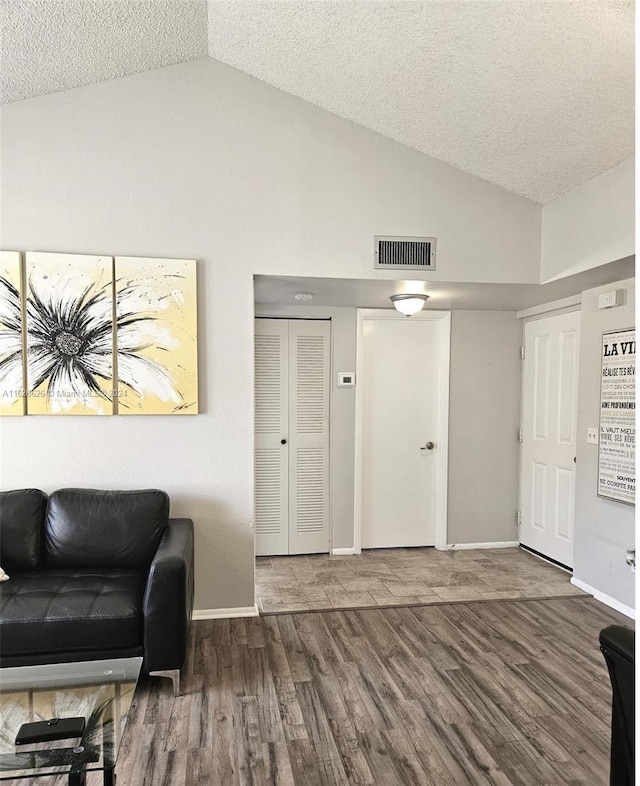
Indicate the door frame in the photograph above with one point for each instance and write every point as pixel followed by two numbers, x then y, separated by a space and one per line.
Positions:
pixel 442 436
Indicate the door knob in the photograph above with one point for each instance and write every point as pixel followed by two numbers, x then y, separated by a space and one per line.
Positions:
pixel 428 446
pixel 283 441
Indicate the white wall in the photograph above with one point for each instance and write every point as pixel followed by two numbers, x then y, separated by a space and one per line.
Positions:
pixel 483 423
pixel 604 529
pixel 201 161
pixel 591 225
pixel 484 403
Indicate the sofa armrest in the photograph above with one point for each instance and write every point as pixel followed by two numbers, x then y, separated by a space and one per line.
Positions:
pixel 617 643
pixel 168 599
pixel 620 640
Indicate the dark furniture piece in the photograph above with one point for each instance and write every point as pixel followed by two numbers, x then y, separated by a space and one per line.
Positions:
pixel 95 575
pixel 618 647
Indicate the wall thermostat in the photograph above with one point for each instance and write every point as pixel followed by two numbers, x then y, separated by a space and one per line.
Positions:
pixel 346 379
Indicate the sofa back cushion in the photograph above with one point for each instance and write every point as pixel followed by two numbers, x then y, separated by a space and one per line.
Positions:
pixel 21 522
pixel 87 528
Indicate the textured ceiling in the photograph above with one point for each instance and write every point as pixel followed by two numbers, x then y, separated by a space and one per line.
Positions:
pixel 536 96
pixel 51 45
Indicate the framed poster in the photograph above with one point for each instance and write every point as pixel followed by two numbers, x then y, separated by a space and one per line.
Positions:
pixel 617 446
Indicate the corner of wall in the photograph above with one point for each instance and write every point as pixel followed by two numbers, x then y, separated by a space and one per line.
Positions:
pixel 592 225
pixel 604 528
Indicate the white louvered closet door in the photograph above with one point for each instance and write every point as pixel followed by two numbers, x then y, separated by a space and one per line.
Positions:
pixel 309 353
pixel 271 470
pixel 292 404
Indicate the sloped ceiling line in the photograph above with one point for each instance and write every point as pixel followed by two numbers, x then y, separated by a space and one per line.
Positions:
pixel 536 96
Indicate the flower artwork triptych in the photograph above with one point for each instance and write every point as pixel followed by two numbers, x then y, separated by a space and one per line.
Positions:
pixel 96 335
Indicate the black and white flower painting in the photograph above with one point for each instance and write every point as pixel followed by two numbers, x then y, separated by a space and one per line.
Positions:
pixel 11 357
pixel 100 336
pixel 156 336
pixel 69 329
pixel 96 343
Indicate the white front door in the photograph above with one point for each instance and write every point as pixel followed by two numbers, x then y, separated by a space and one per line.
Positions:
pixel 401 425
pixel 292 373
pixel 549 419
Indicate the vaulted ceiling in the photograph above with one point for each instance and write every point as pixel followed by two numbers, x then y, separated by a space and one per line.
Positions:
pixel 536 96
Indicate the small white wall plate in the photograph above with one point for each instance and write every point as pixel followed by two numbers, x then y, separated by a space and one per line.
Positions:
pixel 346 379
pixel 609 299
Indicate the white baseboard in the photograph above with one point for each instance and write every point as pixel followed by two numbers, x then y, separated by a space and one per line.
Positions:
pixel 224 614
pixel 499 544
pixel 606 599
pixel 344 551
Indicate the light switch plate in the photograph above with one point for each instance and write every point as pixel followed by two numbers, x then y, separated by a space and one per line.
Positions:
pixel 592 436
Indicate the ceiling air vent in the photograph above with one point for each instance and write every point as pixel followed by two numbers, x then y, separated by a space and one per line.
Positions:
pixel 405 253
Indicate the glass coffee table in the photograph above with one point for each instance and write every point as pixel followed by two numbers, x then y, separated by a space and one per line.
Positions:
pixel 100 691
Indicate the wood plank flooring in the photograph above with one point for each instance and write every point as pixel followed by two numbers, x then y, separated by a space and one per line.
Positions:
pixel 392 577
pixel 502 692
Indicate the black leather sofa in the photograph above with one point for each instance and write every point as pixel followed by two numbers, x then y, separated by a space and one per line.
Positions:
pixel 95 575
pixel 617 643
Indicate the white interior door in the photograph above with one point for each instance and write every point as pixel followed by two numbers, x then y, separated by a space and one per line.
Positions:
pixel 549 419
pixel 401 429
pixel 292 388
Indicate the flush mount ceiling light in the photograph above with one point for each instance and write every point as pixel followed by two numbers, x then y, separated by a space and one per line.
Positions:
pixel 409 304
pixel 303 296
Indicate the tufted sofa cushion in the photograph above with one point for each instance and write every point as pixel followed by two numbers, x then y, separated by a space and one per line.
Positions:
pixel 105 529
pixel 83 610
pixel 21 519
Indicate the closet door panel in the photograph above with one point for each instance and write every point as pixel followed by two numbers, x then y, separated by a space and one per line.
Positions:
pixel 309 391
pixel 271 468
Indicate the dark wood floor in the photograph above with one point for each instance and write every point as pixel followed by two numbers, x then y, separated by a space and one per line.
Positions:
pixel 500 692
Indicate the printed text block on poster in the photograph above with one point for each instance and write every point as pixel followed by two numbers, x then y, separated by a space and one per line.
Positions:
pixel 617 452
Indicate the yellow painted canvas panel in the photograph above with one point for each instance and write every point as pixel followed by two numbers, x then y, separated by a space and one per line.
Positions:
pixel 69 324
pixel 12 400
pixel 156 336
